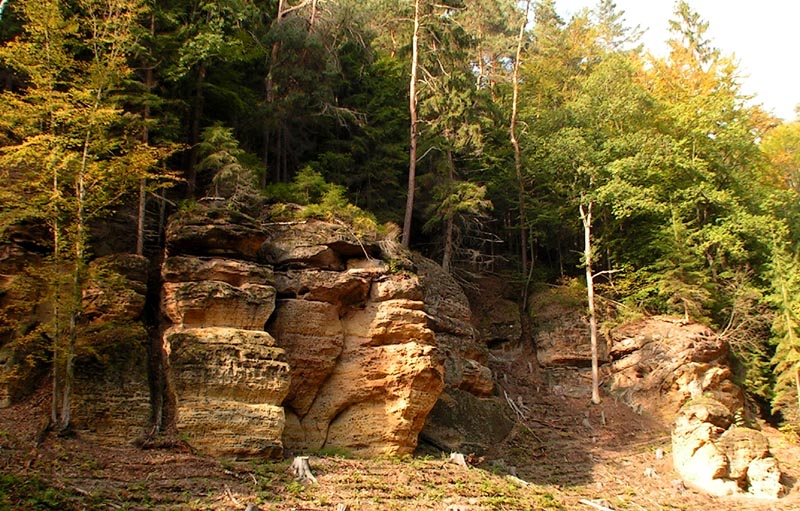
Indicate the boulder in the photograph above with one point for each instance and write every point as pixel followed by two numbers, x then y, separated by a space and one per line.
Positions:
pixel 462 422
pixel 214 230
pixel 314 244
pixel 719 458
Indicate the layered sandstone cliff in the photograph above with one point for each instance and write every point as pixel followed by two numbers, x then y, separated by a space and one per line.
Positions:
pixel 295 335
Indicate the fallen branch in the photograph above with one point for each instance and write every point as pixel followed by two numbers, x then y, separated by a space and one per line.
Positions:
pixel 231 497
pixel 515 407
pixel 518 481
pixel 595 505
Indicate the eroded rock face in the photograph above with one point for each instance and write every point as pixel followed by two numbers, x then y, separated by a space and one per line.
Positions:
pixel 466 418
pixel 364 374
pixel 313 244
pixel 660 363
pixel 561 329
pixel 228 376
pixel 720 458
pixel 294 335
pixel 230 384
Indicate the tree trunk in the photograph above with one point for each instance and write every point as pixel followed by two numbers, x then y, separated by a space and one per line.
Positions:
pixel 586 217
pixel 148 84
pixel 412 106
pixel 515 143
pixel 194 135
pixel 447 256
pixel 797 387
pixel 56 299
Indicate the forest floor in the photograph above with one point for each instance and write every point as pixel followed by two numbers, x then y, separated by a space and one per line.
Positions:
pixel 567 455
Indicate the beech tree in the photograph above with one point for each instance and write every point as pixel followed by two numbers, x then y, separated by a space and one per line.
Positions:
pixel 70 158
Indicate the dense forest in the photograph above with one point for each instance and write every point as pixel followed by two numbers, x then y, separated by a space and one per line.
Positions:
pixel 500 136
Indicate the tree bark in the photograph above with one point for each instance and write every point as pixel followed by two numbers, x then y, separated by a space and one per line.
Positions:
pixel 586 218
pixel 194 135
pixel 412 107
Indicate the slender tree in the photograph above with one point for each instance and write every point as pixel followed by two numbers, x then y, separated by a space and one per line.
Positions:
pixel 515 142
pixel 71 159
pixel 412 109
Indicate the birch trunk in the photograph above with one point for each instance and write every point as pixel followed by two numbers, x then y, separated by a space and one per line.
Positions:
pixel 586 217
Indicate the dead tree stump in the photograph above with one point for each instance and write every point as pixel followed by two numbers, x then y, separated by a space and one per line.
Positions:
pixel 302 470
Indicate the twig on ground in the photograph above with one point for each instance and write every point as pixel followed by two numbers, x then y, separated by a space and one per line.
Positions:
pixel 231 497
pixel 595 505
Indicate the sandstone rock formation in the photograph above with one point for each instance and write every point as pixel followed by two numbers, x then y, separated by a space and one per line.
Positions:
pixel 228 376
pixel 19 309
pixel 229 384
pixel 365 368
pixel 660 363
pixel 561 329
pixel 293 334
pixel 466 417
pixel 720 458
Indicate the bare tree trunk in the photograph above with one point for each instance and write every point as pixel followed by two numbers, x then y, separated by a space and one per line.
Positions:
pixel 148 84
pixel 412 107
pixel 312 19
pixel 515 143
pixel 586 217
pixel 194 134
pixel 56 299
pixel 797 387
pixel 449 232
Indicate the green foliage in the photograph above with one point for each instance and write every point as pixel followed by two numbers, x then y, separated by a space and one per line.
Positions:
pixel 688 182
pixel 221 157
pixel 321 200
pixel 33 494
pixel 786 334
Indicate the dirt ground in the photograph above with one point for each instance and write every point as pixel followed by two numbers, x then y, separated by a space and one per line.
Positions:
pixel 564 453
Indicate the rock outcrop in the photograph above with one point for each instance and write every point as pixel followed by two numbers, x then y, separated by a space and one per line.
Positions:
pixel 466 417
pixel 19 311
pixel 660 363
pixel 228 376
pixel 295 335
pixel 365 368
pixel 720 458
pixel 561 329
